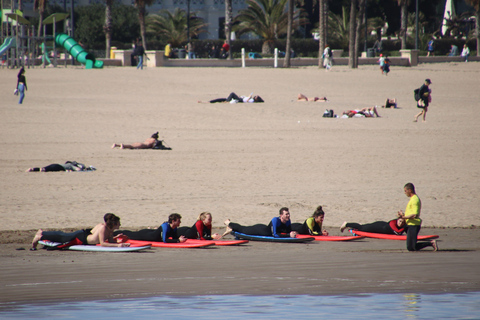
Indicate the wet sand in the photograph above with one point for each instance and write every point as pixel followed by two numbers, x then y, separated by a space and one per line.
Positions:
pixel 243 162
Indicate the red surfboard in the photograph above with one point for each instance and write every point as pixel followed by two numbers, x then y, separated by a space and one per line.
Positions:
pixel 391 236
pixel 219 242
pixel 331 238
pixel 173 245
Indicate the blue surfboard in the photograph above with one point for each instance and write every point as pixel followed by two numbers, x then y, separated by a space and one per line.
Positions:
pixel 239 236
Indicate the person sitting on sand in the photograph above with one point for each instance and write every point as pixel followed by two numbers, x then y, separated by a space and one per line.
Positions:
pixel 313 225
pixel 147 144
pixel 365 112
pixel 202 229
pixel 167 232
pixel 101 234
pixel 234 98
pixel 390 103
pixel 302 97
pixel 68 166
pixel 279 227
pixel 395 226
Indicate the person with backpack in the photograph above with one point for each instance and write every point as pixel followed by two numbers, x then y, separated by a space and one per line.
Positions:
pixel 327 58
pixel 423 97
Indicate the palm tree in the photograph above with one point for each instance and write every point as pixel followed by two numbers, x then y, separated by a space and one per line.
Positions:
pixel 476 5
pixel 338 27
pixel 288 49
pixel 352 62
pixel 172 28
pixel 40 6
pixel 404 18
pixel 268 19
pixel 321 31
pixel 141 4
pixel 108 26
pixel 228 25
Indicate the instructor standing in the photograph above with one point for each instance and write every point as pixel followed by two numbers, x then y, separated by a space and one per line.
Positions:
pixel 413 221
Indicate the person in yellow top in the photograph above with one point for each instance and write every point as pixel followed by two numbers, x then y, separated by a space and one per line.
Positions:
pixel 313 225
pixel 413 221
pixel 168 51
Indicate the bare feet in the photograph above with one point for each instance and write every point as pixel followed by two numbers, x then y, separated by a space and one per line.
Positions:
pixel 226 222
pixel 29 170
pixel 114 146
pixel 415 120
pixel 344 225
pixel 227 231
pixel 38 237
pixel 121 146
pixel 434 245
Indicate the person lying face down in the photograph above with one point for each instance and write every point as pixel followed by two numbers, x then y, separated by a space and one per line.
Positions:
pixel 234 98
pixel 279 227
pixel 302 97
pixel 147 144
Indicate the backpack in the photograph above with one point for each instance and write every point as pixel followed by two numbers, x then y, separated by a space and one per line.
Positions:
pixel 416 94
pixel 328 114
pixel 329 52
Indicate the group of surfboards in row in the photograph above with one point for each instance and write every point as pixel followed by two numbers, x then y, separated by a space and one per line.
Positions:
pixel 280 228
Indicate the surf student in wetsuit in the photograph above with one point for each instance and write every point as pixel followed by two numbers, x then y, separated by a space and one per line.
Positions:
pixel 313 225
pixel 101 234
pixel 396 226
pixel 279 227
pixel 202 229
pixel 167 232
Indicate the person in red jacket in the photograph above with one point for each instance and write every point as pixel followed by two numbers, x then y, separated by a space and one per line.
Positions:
pixel 202 229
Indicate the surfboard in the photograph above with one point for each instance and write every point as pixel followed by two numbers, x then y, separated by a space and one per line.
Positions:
pixel 220 242
pixel 96 248
pixel 186 244
pixel 331 238
pixel 391 236
pixel 243 236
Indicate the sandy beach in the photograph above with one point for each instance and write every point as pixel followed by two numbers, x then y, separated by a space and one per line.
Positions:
pixel 243 162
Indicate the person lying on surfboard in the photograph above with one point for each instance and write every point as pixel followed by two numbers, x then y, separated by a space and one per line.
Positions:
pixel 202 229
pixel 313 225
pixel 279 227
pixel 101 234
pixel 395 226
pixel 167 232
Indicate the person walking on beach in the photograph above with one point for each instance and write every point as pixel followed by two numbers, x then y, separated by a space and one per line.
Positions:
pixel 21 85
pixel 413 221
pixel 140 52
pixel 425 99
pixel 327 58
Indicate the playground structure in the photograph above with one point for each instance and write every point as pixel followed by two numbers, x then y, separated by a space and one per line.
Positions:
pixel 21 48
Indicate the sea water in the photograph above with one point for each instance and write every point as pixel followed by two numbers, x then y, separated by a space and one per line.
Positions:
pixel 358 306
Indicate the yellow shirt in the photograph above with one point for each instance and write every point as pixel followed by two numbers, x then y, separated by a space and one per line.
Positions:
pixel 414 206
pixel 167 50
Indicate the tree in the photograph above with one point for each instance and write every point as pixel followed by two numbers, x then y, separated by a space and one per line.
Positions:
pixel 352 60
pixel 141 4
pixel 107 27
pixel 228 25
pixel 288 48
pixel 476 5
pixel 40 6
pixel 403 21
pixel 359 28
pixel 172 28
pixel 268 19
pixel 321 30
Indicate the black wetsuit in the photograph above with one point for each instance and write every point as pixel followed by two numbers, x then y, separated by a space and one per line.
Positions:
pixel 156 235
pixel 64 237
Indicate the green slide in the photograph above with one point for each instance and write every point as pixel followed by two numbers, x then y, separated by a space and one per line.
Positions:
pixel 9 42
pixel 77 51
